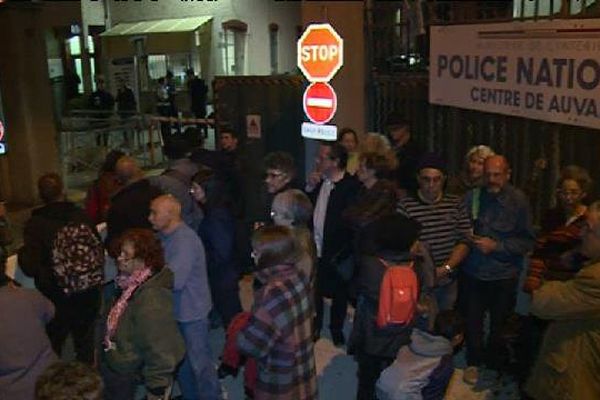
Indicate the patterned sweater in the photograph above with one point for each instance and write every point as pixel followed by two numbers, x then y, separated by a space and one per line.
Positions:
pixel 279 336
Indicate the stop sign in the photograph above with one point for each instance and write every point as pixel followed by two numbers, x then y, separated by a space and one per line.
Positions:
pixel 320 102
pixel 320 52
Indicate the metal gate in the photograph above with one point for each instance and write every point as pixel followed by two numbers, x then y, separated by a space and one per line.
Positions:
pixel 452 131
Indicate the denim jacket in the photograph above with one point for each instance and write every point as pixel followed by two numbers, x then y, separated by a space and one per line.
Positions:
pixel 504 217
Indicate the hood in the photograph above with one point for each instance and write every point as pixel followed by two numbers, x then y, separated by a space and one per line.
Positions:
pixel 60 210
pixel 184 166
pixel 163 279
pixel 427 345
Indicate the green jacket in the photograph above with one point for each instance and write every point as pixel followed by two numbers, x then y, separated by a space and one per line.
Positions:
pixel 147 339
pixel 569 361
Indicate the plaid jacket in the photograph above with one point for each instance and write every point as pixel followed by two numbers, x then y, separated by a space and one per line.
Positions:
pixel 279 336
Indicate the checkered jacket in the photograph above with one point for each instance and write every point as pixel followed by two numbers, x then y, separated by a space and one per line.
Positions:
pixel 279 336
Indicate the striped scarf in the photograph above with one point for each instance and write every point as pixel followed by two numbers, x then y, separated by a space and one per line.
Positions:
pixel 129 283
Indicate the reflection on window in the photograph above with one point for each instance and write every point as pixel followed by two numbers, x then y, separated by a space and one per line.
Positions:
pixel 159 64
pixel 178 64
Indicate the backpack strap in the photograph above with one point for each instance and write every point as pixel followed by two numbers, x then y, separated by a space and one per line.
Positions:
pixel 387 265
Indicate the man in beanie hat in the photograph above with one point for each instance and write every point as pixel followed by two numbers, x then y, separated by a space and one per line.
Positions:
pixel 446 225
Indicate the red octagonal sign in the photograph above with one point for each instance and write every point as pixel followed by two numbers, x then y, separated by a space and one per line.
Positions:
pixel 320 102
pixel 320 52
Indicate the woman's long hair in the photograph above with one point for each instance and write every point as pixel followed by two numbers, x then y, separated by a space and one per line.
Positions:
pixel 217 192
pixel 275 245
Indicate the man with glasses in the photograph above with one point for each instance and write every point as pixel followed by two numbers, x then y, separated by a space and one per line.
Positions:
pixel 279 174
pixel 503 235
pixel 567 366
pixel 445 226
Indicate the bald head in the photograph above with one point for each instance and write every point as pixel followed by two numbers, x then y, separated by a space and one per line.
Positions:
pixel 497 173
pixel 165 213
pixel 128 170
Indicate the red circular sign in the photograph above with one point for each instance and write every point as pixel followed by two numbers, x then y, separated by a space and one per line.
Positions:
pixel 1 130
pixel 320 102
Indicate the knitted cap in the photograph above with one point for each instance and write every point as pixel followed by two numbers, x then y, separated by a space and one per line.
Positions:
pixel 432 160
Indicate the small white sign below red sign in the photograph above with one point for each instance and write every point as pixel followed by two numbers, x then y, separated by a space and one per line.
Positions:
pixel 319 132
pixel 319 102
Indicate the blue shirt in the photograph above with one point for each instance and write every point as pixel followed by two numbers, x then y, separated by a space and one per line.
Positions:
pixel 184 254
pixel 504 217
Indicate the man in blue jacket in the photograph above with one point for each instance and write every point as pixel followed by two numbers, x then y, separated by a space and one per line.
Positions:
pixel 184 254
pixel 502 236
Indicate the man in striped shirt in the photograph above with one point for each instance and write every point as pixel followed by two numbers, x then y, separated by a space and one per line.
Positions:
pixel 445 223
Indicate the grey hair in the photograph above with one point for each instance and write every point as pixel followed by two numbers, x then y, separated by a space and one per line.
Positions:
pixel 481 150
pixel 298 207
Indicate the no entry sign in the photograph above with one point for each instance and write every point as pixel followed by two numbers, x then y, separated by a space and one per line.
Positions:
pixel 319 102
pixel 320 52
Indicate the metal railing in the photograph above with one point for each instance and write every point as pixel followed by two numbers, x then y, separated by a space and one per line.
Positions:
pixel 86 137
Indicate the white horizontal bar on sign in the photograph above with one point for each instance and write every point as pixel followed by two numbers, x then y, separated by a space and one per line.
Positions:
pixel 320 132
pixel 319 102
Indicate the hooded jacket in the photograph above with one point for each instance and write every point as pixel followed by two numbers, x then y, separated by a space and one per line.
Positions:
pixel 421 370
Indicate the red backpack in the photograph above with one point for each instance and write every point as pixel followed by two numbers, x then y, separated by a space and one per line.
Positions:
pixel 398 295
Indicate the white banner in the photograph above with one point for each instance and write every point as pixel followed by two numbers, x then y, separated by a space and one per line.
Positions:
pixel 542 70
pixel 122 70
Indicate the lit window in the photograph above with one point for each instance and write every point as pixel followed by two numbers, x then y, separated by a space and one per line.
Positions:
pixel 536 8
pixel 157 66
pixel 74 50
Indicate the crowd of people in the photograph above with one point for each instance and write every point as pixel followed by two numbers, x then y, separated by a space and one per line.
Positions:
pixel 101 103
pixel 421 254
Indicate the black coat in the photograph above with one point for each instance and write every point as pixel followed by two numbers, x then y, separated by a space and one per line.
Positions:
pixel 337 233
pixel 35 256
pixel 366 337
pixel 130 208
